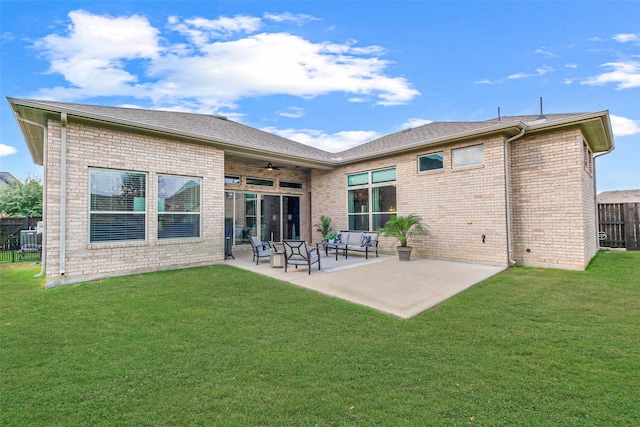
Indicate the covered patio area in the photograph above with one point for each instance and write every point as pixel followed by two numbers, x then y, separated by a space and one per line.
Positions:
pixel 401 289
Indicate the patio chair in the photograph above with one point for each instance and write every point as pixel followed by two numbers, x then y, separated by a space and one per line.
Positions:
pixel 29 243
pixel 260 249
pixel 296 252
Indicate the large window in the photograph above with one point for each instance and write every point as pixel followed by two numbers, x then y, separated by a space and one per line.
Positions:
pixel 371 199
pixel 178 207
pixel 117 205
pixel 468 156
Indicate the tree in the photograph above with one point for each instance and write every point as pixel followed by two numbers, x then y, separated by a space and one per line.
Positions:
pixel 22 199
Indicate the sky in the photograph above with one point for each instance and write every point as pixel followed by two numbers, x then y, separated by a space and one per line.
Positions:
pixel 331 74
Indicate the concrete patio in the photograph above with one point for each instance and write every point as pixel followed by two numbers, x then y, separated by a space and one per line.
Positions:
pixel 402 289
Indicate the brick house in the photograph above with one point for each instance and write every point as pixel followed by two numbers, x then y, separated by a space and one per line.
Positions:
pixel 133 190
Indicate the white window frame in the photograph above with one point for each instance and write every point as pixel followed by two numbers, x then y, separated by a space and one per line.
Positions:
pixel 467 160
pixel 122 190
pixel 441 153
pixel 369 186
pixel 162 213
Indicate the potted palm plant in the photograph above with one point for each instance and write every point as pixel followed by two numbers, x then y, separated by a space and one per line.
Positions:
pixel 324 226
pixel 401 228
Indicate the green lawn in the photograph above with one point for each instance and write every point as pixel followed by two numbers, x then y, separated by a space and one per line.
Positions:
pixel 221 346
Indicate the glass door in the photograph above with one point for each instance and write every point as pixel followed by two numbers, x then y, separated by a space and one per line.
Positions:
pixel 291 217
pixel 270 218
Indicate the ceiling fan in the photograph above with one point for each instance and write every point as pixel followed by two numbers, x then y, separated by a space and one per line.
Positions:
pixel 271 167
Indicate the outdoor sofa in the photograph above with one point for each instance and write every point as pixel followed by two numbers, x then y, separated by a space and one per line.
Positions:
pixel 357 241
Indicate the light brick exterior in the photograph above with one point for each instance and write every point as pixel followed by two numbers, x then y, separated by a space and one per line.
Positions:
pixel 458 205
pixel 553 201
pixel 551 187
pixel 91 147
pixel 290 174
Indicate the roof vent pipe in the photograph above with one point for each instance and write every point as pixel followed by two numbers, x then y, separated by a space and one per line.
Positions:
pixel 498 113
pixel 541 116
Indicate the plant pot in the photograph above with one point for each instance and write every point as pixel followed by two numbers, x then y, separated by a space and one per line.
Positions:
pixel 404 253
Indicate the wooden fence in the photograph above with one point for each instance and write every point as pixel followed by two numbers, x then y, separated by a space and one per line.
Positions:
pixel 10 228
pixel 619 225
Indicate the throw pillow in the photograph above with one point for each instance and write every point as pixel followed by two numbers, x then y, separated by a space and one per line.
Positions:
pixel 364 240
pixel 338 238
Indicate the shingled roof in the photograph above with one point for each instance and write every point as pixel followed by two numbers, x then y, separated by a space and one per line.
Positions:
pixel 438 132
pixel 619 196
pixel 237 138
pixel 214 128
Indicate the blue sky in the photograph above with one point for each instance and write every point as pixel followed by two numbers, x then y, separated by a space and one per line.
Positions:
pixel 332 74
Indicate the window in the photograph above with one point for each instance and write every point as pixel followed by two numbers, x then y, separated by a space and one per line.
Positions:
pixel 358 179
pixel 231 179
pixel 261 182
pixel 117 206
pixel 287 184
pixel 371 205
pixel 178 207
pixel 587 158
pixel 430 162
pixel 468 156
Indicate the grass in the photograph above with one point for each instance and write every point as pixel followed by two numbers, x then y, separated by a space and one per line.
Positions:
pixel 221 346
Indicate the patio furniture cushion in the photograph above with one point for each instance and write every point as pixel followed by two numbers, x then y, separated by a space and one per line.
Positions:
pixel 359 241
pixel 297 252
pixel 261 249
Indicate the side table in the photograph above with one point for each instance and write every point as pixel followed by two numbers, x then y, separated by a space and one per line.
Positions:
pixel 277 260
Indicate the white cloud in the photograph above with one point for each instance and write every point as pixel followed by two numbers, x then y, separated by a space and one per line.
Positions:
pixel 126 56
pixel 7 150
pixel 276 63
pixel 624 38
pixel 292 112
pixel 200 30
pixel 486 82
pixel 415 122
pixel 6 37
pixel 571 66
pixel 91 57
pixel 625 74
pixel 333 143
pixel 541 71
pixel 623 126
pixel 287 16
pixel 544 51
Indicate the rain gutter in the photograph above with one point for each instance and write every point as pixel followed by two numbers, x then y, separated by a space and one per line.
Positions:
pixel 507 190
pixel 63 194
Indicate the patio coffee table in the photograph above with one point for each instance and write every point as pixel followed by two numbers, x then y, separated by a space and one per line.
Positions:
pixel 330 245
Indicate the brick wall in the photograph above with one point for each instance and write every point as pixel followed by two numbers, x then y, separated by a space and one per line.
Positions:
pixel 459 205
pixel 553 212
pixel 289 173
pixel 89 147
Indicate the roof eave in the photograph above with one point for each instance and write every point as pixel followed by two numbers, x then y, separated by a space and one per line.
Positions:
pixel 596 128
pixel 234 147
pixel 510 129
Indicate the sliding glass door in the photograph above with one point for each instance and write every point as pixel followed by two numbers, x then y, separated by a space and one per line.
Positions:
pixel 271 217
pixel 291 217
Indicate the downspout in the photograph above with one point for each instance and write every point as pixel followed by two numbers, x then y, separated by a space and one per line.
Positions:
pixel 507 189
pixel 595 192
pixel 63 194
pixel 44 192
